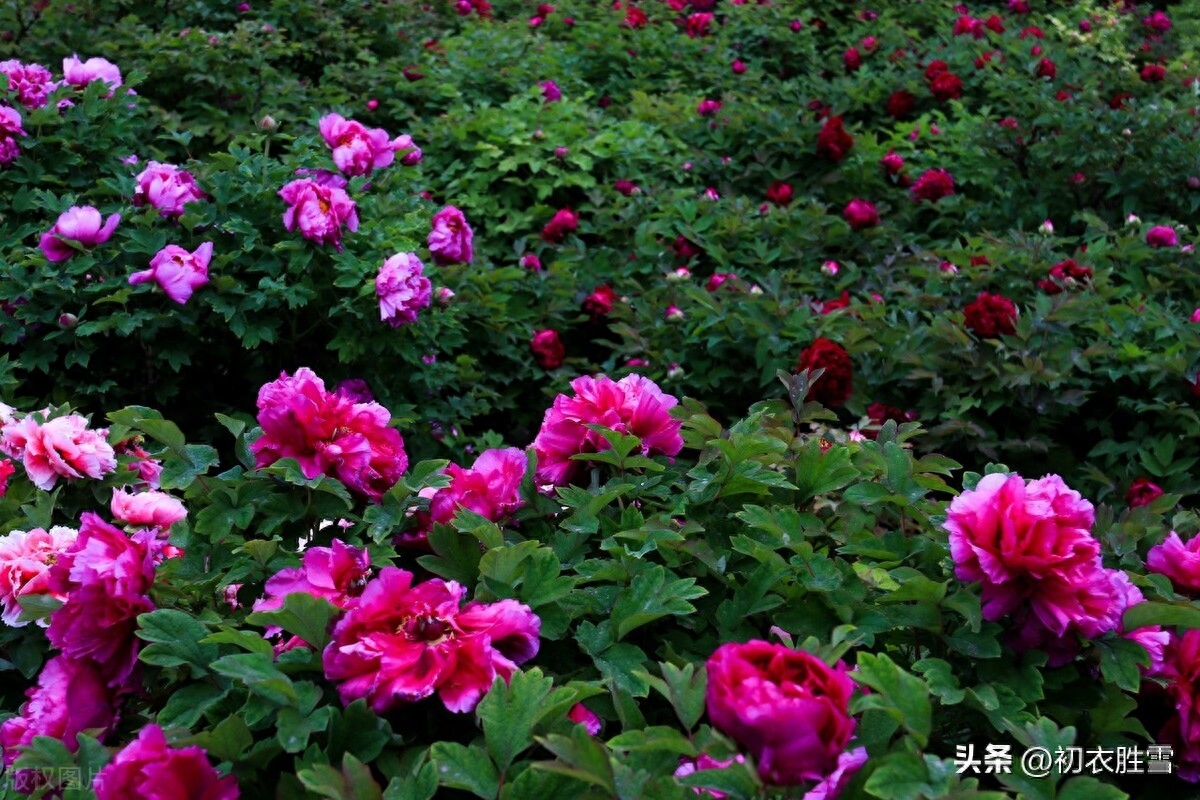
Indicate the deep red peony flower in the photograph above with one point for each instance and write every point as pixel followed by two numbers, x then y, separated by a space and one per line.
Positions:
pixel 991 316
pixel 600 302
pixel 833 142
pixel 779 193
pixel 547 349
pixel 861 214
pixel 565 221
pixel 1065 275
pixel 932 185
pixel 946 86
pixel 834 386
pixel 901 103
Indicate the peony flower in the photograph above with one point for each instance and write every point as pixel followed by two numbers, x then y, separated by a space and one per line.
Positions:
pixel 1153 73
pixel 1153 638
pixel 106 578
pixel 833 142
pixel 178 272
pixel 451 238
pixel 531 262
pixel 404 642
pixel 946 86
pixel 1046 69
pixel 1158 22
pixel 6 471
pixel 142 509
pixel 10 129
pixel 1065 274
pixel 932 185
pixel 580 715
pixel 338 574
pixel 490 488
pixel 1181 668
pixel 719 279
pixel 1179 562
pixel 565 221
pixel 834 386
pixel 167 188
pixel 31 83
pixel 550 91
pixel 708 108
pixel 1162 236
pixel 849 762
pixel 901 103
pixel 633 405
pixel 80 73
pixel 599 303
pixel 402 289
pixel 990 316
pixel 779 193
pixel 70 697
pixel 690 766
pixel 147 768
pixel 1142 493
pixel 547 349
pixel 25 561
pixel 892 163
pixel 320 212
pixel 82 225
pixel 627 188
pixel 328 434
pixel 861 214
pixel 356 390
pixel 786 708
pixel 148 469
pixel 63 447
pixel 358 150
pixel 697 25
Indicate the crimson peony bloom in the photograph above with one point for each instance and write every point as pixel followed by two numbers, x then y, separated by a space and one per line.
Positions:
pixel 932 185
pixel 837 304
pixel 176 271
pixel 404 642
pixel 633 405
pixel 328 434
pixel 147 509
pixel 319 211
pixel 901 103
pixel 991 316
pixel 1153 73
pixel 1178 561
pixel 564 221
pixel 550 91
pixel 1142 492
pixel 834 386
pixel 451 239
pixel 1046 69
pixel 31 83
pixel 719 279
pixel 547 349
pixel 1065 274
pixel 852 58
pixel 893 163
pixel 635 18
pixel 685 249
pixel 627 188
pixel 600 302
pixel 946 86
pixel 70 697
pixel 785 707
pixel 167 188
pixel 861 214
pixel 1162 236
pixel 80 73
pixel 63 447
pixel 879 413
pixel 147 768
pixel 25 561
pixel 698 25
pixel 358 150
pixel 402 289
pixel 708 108
pixel 1158 22
pixel 82 225
pixel 779 193
pixel 832 141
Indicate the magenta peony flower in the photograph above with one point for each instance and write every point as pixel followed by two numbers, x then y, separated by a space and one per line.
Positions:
pixel 356 390
pixel 147 768
pixel 581 715
pixel 402 289
pixel 328 434
pixel 1153 639
pixel 550 91
pixel 785 707
pixel 932 185
pixel 25 561
pixel 319 211
pixel 82 225
pixel 80 73
pixel 689 766
pixel 404 642
pixel 848 764
pixel 708 108
pixel 565 221
pixel 178 272
pixel 106 578
pixel 490 488
pixel 1179 562
pixel 63 447
pixel 10 129
pixel 147 509
pixel 861 214
pixel 548 349
pixel 1142 492
pixel 1162 236
pixel 1181 668
pixel 31 83
pixel 337 574
pixel 167 188
pixel 70 697
pixel 451 238
pixel 358 150
pixel 633 405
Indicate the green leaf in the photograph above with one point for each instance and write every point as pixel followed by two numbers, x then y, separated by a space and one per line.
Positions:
pixel 422 785
pixel 896 692
pixel 685 689
pixel 508 713
pixel 654 738
pixel 187 705
pixel 466 768
pixel 260 675
pixel 302 615
pixel 295 728
pixel 1085 787
pixel 650 596
pixel 1169 615
pixel 580 756
pixel 176 639
pixel 352 782
pixel 905 776
pixel 228 740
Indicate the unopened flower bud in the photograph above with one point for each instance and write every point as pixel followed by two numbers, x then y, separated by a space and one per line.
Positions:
pixel 67 321
pixel 830 268
pixel 267 123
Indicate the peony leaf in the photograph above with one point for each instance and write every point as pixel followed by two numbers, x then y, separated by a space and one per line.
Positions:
pixel 466 768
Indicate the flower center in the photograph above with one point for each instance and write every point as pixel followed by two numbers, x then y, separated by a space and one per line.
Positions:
pixel 426 628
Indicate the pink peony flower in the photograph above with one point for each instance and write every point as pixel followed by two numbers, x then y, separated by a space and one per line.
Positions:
pixel 547 349
pixel 490 488
pixel 147 768
pixel 1181 667
pixel 633 405
pixel 328 434
pixel 25 561
pixel 80 73
pixel 358 150
pixel 6 471
pixel 70 697
pixel 402 289
pixel 10 129
pixel 319 211
pixel 147 509
pixel 690 766
pixel 932 185
pixel 861 214
pixel 148 469
pixel 849 762
pixel 82 225
pixel 404 642
pixel 708 108
pixel 581 715
pixel 337 574
pixel 167 188
pixel 1153 639
pixel 106 577
pixel 63 447
pixel 550 91
pixel 785 707
pixel 451 238
pixel 1162 236
pixel 31 83
pixel 1142 492
pixel 1179 562
pixel 564 221
pixel 178 272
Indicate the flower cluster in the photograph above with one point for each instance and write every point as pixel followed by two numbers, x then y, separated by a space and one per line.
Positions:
pixel 63 447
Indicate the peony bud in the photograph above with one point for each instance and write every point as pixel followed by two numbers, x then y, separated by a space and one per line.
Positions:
pixel 268 123
pixel 444 295
pixel 561 152
pixel 372 104
pixel 830 268
pixel 674 371
pixel 679 274
pixel 674 314
pixel 531 262
pixel 67 321
pixel 1046 227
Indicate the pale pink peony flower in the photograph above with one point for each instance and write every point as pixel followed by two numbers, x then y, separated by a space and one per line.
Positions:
pixel 402 288
pixel 633 405
pixel 451 238
pixel 147 768
pixel 1178 561
pixel 490 488
pixel 153 509
pixel 70 697
pixel 329 434
pixel 80 73
pixel 167 188
pixel 25 561
pixel 82 225
pixel 319 211
pixel 63 447
pixel 357 149
pixel 31 83
pixel 404 642
pixel 178 272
